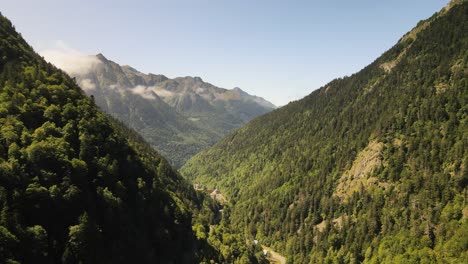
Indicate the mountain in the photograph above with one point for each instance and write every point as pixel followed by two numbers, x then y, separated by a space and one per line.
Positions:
pixel 179 117
pixel 77 186
pixel 370 168
pixel 221 109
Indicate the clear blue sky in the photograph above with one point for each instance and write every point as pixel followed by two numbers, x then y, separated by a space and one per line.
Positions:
pixel 280 50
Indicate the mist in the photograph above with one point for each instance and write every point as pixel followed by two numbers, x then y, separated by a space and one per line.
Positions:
pixel 70 60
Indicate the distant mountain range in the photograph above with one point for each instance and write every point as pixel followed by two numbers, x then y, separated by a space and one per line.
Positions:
pixel 77 186
pixel 179 117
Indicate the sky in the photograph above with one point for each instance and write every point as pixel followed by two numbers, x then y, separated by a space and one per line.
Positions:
pixel 279 50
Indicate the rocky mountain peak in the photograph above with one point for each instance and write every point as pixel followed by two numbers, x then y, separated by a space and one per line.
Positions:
pixel 101 57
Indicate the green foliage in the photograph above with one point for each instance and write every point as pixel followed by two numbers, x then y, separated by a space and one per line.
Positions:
pixel 282 170
pixel 7 241
pixel 37 243
pixel 83 242
pixel 217 241
pixel 77 186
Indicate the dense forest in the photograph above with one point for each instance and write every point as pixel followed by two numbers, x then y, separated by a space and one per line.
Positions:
pixel 370 168
pixel 77 186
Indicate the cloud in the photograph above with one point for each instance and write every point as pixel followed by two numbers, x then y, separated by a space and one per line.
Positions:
pixel 143 91
pixel 163 93
pixel 87 85
pixel 70 60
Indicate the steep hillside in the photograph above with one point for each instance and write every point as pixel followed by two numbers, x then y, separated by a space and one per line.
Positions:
pixel 79 187
pixel 369 168
pixel 178 117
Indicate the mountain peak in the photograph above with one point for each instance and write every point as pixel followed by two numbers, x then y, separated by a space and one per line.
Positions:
pixel 101 57
pixel 239 91
pixel 82 196
pixel 192 79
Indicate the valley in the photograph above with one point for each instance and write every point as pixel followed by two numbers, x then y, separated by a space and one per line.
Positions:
pixel 179 117
pixel 102 163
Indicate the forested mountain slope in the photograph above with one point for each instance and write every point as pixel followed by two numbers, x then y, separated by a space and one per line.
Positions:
pixel 369 168
pixel 179 117
pixel 77 186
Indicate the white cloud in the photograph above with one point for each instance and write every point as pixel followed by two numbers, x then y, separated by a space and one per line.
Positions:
pixel 163 92
pixel 87 85
pixel 70 60
pixel 143 91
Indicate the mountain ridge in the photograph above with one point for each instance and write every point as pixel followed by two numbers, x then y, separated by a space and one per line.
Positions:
pixel 346 173
pixel 179 117
pixel 78 186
